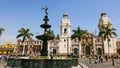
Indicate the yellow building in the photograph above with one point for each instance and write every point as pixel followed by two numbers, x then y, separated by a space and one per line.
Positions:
pixel 7 48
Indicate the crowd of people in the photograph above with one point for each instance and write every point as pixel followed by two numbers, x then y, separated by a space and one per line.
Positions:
pixel 99 59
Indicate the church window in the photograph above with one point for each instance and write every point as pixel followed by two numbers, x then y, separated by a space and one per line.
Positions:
pixel 65 30
pixel 64 40
pixel 109 40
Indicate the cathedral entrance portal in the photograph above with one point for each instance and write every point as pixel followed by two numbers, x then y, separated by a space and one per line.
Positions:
pixel 87 49
pixel 118 51
pixel 99 51
pixel 76 51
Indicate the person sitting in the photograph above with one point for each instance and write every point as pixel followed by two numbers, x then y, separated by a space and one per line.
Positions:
pixel 96 60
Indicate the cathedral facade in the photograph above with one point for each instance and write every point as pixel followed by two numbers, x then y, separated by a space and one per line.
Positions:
pixel 93 45
pixel 63 45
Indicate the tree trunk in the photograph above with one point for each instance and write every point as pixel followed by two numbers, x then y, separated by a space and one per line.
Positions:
pixel 102 46
pixel 108 46
pixel 79 49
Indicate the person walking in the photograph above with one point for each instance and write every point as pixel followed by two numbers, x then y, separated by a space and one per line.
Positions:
pixel 90 59
pixel 5 57
pixel 100 59
pixel 0 58
pixel 96 60
pixel 113 63
pixel 106 58
pixel 51 56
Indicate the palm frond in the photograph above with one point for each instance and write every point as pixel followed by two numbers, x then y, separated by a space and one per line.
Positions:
pixel 1 31
pixel 78 34
pixel 107 32
pixel 19 35
pixel 25 34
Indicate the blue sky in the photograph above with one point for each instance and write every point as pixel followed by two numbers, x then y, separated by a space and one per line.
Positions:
pixel 15 14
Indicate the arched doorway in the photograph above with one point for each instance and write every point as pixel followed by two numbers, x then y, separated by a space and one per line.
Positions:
pixel 99 51
pixel 118 51
pixel 87 49
pixel 54 51
pixel 76 51
pixel 20 47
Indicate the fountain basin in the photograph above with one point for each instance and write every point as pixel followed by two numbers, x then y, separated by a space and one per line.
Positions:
pixel 39 63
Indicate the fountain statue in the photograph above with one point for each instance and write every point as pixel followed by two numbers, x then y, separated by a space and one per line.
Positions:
pixel 45 37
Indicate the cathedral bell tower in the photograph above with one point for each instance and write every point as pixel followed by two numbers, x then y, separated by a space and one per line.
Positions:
pixel 65 27
pixel 105 21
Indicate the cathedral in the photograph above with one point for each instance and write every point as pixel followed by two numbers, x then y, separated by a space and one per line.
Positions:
pixel 63 45
pixel 91 46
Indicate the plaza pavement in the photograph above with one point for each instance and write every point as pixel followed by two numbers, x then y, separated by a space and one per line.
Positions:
pixel 100 65
pixel 2 64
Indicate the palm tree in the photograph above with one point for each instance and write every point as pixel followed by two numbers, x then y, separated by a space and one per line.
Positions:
pixel 79 34
pixel 50 32
pixel 101 33
pixel 107 33
pixel 25 34
pixel 1 30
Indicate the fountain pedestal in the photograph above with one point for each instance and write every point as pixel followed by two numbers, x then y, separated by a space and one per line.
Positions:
pixel 45 37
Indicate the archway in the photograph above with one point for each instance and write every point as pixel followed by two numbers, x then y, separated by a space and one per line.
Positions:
pixel 20 47
pixel 76 51
pixel 99 51
pixel 87 49
pixel 54 51
pixel 118 51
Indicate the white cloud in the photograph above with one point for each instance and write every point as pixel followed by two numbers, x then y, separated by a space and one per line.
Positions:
pixel 7 38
